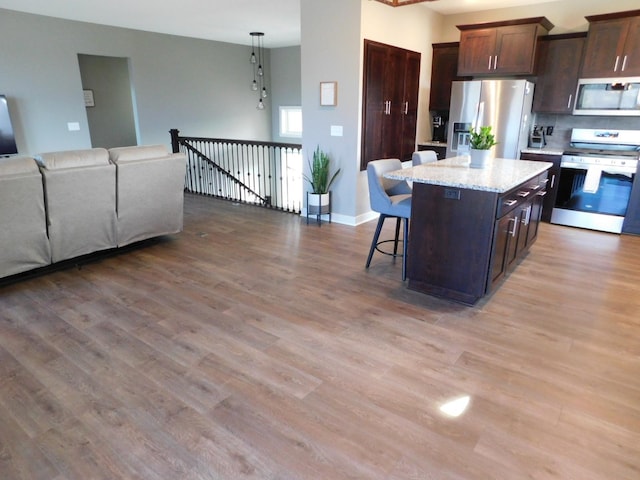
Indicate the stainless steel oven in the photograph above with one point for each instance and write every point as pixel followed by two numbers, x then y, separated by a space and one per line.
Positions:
pixel 596 177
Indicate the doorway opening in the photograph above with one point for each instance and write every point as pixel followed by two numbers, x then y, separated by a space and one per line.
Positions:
pixel 109 100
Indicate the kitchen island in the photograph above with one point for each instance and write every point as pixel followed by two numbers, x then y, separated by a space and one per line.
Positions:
pixel 470 227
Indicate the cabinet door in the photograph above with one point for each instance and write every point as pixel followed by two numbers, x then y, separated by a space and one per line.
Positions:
pixel 394 94
pixel 551 184
pixel 477 49
pixel 374 106
pixel 515 49
pixel 503 246
pixel 631 58
pixel 558 66
pixel 605 44
pixel 410 105
pixel 444 70
pixel 535 216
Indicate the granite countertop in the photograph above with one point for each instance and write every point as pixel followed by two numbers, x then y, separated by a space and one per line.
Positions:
pixel 500 175
pixel 433 144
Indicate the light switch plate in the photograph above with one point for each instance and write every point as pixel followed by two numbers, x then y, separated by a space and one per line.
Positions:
pixel 336 130
pixel 73 126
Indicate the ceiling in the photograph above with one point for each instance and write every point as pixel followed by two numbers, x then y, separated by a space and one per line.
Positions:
pixel 222 20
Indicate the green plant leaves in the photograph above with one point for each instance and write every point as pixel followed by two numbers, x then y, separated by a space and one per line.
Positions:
pixel 320 179
pixel 482 139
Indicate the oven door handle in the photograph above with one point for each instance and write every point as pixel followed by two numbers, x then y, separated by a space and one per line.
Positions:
pixel 608 169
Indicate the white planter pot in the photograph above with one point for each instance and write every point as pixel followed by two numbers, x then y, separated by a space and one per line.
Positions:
pixel 480 158
pixel 318 203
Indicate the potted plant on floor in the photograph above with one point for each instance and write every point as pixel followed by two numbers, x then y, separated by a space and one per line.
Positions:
pixel 481 141
pixel 320 179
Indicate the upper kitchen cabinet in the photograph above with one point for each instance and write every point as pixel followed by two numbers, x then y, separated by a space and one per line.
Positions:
pixel 500 48
pixel 613 45
pixel 444 70
pixel 390 102
pixel 559 58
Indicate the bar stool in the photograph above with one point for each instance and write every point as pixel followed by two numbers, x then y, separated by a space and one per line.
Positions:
pixel 391 199
pixel 423 156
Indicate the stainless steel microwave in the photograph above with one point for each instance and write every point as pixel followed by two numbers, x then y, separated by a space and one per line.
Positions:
pixel 608 96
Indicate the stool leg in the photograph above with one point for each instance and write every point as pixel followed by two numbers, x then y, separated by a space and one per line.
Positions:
pixel 395 242
pixel 374 242
pixel 405 245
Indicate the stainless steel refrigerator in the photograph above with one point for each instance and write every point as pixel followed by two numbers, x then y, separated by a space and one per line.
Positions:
pixel 503 104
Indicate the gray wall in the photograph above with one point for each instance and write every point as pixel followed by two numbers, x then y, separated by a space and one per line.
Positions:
pixel 333 56
pixel 111 119
pixel 198 86
pixel 285 86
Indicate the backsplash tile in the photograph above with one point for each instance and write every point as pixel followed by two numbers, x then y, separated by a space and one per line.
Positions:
pixel 563 124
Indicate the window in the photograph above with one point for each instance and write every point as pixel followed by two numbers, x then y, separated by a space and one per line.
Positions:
pixel 291 121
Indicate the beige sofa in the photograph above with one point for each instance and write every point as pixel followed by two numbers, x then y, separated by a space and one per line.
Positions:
pixel 80 191
pixel 62 205
pixel 150 192
pixel 24 244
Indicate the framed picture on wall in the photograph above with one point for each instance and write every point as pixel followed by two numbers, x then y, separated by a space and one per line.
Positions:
pixel 88 98
pixel 328 94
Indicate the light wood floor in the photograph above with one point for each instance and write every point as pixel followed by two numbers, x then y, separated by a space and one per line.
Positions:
pixel 253 346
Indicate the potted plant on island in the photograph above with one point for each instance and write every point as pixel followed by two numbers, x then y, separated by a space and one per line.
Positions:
pixel 320 179
pixel 481 141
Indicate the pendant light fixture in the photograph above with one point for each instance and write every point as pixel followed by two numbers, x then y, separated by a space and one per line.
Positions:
pixel 256 59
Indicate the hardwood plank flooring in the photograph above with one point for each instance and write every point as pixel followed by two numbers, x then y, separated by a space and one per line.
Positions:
pixel 254 346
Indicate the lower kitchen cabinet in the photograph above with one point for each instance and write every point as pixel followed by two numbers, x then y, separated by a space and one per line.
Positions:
pixel 463 242
pixel 552 184
pixel 632 218
pixel 517 228
pixel 441 151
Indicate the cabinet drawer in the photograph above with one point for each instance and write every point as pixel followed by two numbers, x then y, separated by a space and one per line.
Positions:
pixel 510 200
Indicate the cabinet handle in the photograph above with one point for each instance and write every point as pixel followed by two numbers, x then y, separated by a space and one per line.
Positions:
pixel 615 67
pixel 526 212
pixel 542 193
pixel 523 194
pixel 553 180
pixel 569 102
pixel 624 63
pixel 489 66
pixel 536 187
pixel 515 226
pixel 495 62
pixel 406 107
pixel 509 203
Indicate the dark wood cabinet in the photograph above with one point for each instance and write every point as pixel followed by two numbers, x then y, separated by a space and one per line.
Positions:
pixel 559 60
pixel 500 48
pixel 613 45
pixel 632 218
pixel 549 199
pixel 390 102
pixel 463 241
pixel 516 229
pixel 444 70
pixel 441 151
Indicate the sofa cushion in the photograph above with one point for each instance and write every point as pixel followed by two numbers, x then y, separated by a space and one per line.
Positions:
pixel 132 154
pixel 18 165
pixel 74 158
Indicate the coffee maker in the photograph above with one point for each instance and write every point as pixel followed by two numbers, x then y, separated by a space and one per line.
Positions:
pixel 439 123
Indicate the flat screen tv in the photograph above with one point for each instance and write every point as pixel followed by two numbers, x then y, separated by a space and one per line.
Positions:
pixel 7 140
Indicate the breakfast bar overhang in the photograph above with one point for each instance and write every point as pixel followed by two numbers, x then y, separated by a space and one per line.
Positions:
pixel 470 226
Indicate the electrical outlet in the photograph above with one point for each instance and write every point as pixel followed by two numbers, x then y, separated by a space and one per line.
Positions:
pixel 549 131
pixel 451 193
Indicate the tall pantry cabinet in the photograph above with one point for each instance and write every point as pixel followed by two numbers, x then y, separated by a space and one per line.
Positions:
pixel 390 102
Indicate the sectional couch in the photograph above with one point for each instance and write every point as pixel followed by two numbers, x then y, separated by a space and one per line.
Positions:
pixel 61 205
